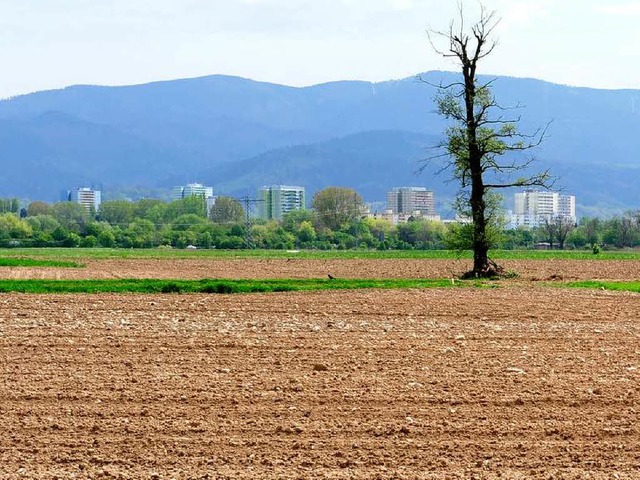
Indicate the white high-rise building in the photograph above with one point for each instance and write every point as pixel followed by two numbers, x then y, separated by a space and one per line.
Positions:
pixel 567 206
pixel 416 201
pixel 192 189
pixel 533 207
pixel 277 200
pixel 87 197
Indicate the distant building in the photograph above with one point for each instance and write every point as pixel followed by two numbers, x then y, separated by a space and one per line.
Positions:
pixel 567 206
pixel 406 202
pixel 277 200
pixel 397 218
pixel 87 197
pixel 533 207
pixel 192 189
pixel 210 202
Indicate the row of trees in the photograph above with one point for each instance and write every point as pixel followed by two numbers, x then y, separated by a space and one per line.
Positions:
pixel 334 222
pixel 621 231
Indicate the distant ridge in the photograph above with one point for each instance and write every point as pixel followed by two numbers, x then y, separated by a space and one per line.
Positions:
pixel 236 134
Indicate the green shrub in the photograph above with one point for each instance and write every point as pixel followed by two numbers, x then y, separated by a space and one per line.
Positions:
pixel 89 242
pixel 171 288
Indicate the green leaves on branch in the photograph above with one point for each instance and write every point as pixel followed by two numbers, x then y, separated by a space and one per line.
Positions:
pixel 337 206
pixel 226 210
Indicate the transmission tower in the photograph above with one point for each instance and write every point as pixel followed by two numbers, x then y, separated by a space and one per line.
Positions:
pixel 248 203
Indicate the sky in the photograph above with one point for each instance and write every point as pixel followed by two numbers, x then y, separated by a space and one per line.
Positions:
pixel 46 44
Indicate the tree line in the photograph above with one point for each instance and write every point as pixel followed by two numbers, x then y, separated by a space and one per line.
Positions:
pixel 336 221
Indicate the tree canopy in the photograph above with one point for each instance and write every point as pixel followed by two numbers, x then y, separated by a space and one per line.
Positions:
pixel 226 210
pixel 336 206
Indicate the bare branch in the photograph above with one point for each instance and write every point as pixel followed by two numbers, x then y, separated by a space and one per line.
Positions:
pixel 543 179
pixel 439 86
pixel 487 84
pixel 501 168
pixel 431 32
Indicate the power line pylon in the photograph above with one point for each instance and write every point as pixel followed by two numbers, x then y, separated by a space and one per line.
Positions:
pixel 248 203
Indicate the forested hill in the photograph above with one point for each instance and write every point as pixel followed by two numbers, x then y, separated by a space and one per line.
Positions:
pixel 237 134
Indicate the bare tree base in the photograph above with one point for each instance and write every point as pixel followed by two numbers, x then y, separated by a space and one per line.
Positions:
pixel 489 270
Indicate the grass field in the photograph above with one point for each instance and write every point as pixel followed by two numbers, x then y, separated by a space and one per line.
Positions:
pixel 620 286
pixel 212 286
pixel 111 253
pixel 262 285
pixel 213 275
pixel 32 262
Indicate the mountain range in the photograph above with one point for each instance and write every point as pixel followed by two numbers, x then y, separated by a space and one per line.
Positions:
pixel 238 134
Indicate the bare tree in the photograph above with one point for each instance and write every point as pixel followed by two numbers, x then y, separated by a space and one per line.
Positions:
pixel 481 144
pixel 625 228
pixel 564 227
pixel 592 230
pixel 550 230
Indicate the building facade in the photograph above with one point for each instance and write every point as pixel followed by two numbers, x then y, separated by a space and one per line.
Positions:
pixel 210 202
pixel 278 200
pixel 87 197
pixel 567 206
pixel 411 201
pixel 192 189
pixel 533 207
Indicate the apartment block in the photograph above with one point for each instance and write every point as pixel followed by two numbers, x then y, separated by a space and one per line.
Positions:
pixel 567 206
pixel 87 197
pixel 533 207
pixel 411 201
pixel 277 200
pixel 192 189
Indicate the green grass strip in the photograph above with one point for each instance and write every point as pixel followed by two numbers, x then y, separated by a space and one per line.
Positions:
pixel 212 285
pixel 600 285
pixel 32 262
pixel 160 253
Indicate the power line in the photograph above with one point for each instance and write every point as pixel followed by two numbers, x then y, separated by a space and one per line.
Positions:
pixel 248 203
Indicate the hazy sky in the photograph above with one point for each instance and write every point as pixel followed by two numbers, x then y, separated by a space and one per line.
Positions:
pixel 54 43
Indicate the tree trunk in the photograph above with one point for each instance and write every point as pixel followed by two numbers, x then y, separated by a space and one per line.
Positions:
pixel 481 265
pixel 480 243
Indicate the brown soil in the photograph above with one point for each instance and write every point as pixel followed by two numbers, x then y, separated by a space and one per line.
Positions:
pixel 517 382
pixel 296 268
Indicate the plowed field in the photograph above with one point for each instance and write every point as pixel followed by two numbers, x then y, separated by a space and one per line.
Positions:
pixel 514 382
pixel 302 268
